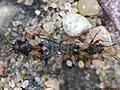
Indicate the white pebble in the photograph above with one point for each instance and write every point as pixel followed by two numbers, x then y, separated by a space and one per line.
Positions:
pixel 19 1
pixel 12 84
pixel 37 79
pixel 97 72
pixel 16 23
pixel 69 63
pixel 59 53
pixel 17 63
pixel 25 84
pixel 37 12
pixel 74 24
pixel 12 60
pixel 53 5
pixel 101 85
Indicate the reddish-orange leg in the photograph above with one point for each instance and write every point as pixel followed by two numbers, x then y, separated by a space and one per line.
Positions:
pixel 97 41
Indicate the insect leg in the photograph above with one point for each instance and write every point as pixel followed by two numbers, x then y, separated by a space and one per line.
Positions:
pixel 4 38
pixel 7 53
pixel 94 37
pixel 111 55
pixel 97 41
pixel 26 59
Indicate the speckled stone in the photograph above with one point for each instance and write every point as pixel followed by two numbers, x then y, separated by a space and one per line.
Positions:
pixel 87 7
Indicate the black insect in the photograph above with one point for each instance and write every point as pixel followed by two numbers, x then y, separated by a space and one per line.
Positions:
pixel 96 47
pixel 22 46
pixel 45 48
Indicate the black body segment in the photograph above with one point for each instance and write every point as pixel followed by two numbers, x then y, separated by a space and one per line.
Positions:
pixel 22 46
pixel 94 49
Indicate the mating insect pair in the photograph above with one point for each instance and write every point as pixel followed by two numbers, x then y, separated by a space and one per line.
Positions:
pixel 46 47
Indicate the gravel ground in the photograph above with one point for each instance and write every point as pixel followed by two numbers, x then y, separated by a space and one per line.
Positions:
pixel 26 73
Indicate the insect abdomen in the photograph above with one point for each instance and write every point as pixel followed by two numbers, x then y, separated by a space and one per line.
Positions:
pixel 94 49
pixel 67 48
pixel 51 46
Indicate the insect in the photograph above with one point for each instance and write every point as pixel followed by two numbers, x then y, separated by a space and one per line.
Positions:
pixel 43 48
pixel 96 47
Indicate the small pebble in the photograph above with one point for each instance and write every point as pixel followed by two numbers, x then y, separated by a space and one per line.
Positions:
pixel 34 21
pixel 101 85
pixel 16 88
pixel 53 5
pixel 25 84
pixel 52 83
pixel 69 63
pixel 12 83
pixel 12 60
pixel 98 72
pixel 39 68
pixel 16 23
pixel 48 27
pixel 98 64
pixel 20 1
pixel 28 2
pixel 37 12
pixel 37 79
pixel 87 7
pixel 87 77
pixel 81 64
pixel 67 6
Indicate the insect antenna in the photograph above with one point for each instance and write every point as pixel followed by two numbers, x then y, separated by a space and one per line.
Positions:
pixel 7 54
pixel 4 38
pixel 110 48
pixel 110 45
pixel 111 55
pixel 94 37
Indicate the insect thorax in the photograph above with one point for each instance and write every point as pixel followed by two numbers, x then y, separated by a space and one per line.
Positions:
pixel 50 47
pixel 23 47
